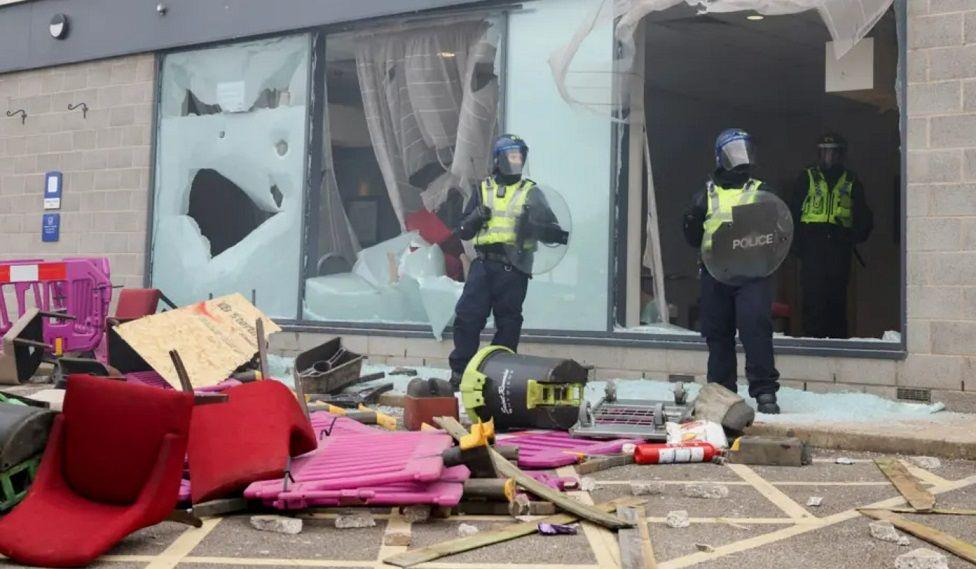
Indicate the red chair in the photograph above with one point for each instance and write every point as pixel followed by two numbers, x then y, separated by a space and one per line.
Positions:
pixel 112 465
pixel 247 438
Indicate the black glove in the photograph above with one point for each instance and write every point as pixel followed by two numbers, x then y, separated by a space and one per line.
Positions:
pixel 478 216
pixel 553 234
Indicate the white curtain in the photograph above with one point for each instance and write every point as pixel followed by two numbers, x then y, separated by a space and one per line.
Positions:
pixel 430 98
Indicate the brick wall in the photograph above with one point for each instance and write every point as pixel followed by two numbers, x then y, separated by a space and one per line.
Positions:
pixel 104 158
pixel 941 196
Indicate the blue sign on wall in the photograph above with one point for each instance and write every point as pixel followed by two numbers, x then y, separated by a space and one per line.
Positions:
pixel 52 190
pixel 51 227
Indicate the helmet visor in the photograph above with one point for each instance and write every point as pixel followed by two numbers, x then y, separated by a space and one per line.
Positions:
pixel 511 162
pixel 831 155
pixel 737 152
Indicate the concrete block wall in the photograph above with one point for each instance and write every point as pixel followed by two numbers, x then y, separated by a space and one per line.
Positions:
pixel 104 158
pixel 941 227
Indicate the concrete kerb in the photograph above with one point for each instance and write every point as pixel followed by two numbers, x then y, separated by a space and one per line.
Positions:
pixel 954 438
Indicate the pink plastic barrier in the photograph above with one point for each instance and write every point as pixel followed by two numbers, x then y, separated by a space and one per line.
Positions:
pixel 552 449
pixel 359 464
pixel 80 287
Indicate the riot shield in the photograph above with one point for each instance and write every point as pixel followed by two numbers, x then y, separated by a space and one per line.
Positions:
pixel 542 232
pixel 752 241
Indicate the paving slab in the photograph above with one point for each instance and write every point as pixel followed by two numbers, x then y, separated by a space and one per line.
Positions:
pixel 151 540
pixel 743 502
pixel 822 472
pixel 671 543
pixel 651 472
pixel 556 549
pixel 847 544
pixel 234 537
pixel 838 499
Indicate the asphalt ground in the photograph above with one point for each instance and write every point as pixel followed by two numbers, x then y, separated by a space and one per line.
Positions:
pixel 763 523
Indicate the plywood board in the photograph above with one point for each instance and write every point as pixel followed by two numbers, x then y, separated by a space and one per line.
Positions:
pixel 213 338
pixel 909 487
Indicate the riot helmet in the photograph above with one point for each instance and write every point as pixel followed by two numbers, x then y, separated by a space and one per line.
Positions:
pixel 832 148
pixel 510 153
pixel 734 150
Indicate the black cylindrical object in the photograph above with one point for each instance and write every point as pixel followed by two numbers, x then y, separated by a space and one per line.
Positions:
pixel 523 391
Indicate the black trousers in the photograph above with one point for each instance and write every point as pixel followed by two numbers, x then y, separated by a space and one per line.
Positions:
pixel 492 288
pixel 748 308
pixel 825 271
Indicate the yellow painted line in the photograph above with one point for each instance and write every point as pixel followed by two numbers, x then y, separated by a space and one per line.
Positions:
pixel 745 521
pixel 675 482
pixel 123 558
pixel 925 476
pixel 602 541
pixel 245 562
pixel 438 565
pixel 183 545
pixel 799 529
pixel 396 524
pixel 789 506
pixel 741 483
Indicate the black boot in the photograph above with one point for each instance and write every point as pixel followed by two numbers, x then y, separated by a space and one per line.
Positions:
pixel 767 404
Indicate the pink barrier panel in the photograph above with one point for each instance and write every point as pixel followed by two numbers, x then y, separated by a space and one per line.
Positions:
pixel 369 464
pixel 80 287
pixel 560 483
pixel 552 449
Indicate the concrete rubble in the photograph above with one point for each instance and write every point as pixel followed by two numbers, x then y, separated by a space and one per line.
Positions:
pixel 706 491
pixel 397 539
pixel 814 501
pixel 677 519
pixel 277 524
pixel 922 558
pixel 885 531
pixel 844 460
pixel 467 530
pixel 646 488
pixel 417 513
pixel 926 462
pixel 354 519
pixel 587 484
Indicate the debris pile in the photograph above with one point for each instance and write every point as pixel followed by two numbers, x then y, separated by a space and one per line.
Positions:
pixel 255 445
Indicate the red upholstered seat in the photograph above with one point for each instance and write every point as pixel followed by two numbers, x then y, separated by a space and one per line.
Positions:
pixel 112 465
pixel 135 303
pixel 247 438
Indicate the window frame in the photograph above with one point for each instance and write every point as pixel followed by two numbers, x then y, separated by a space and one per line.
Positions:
pixel 617 211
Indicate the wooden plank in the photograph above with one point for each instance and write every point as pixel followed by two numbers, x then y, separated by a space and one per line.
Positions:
pixel 934 511
pixel 596 464
pixel 948 542
pixel 906 484
pixel 506 533
pixel 635 543
pixel 509 470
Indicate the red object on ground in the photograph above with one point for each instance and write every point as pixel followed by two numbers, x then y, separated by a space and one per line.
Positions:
pixel 135 303
pixel 112 465
pixel 247 438
pixel 419 410
pixel 691 451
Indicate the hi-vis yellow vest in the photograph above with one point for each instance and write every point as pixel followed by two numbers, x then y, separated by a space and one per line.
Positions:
pixel 825 205
pixel 720 203
pixel 505 211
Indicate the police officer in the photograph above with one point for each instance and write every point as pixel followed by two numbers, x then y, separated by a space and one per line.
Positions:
pixel 505 217
pixel 831 216
pixel 725 308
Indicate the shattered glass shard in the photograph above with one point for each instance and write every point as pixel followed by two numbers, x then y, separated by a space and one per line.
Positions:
pixel 212 196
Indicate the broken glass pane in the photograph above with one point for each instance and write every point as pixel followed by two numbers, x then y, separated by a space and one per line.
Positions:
pixel 229 173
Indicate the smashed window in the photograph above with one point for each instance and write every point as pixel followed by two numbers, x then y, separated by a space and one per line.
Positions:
pixel 229 173
pixel 775 74
pixel 411 113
